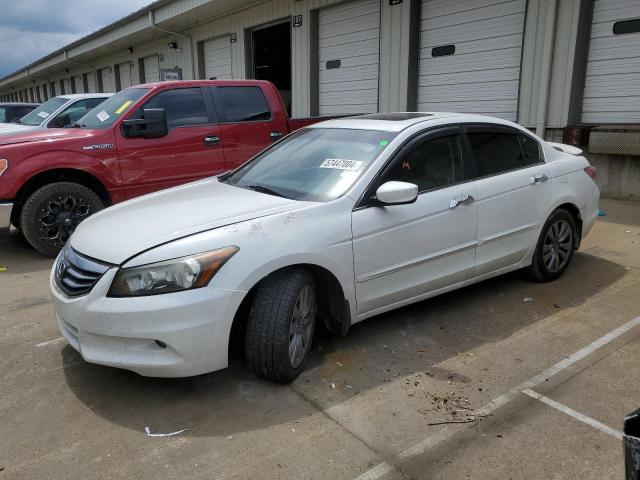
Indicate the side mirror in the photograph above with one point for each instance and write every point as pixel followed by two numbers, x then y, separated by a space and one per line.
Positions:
pixel 396 193
pixel 60 121
pixel 152 124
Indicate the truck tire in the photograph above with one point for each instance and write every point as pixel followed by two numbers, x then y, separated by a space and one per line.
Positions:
pixel 281 324
pixel 52 213
pixel 555 247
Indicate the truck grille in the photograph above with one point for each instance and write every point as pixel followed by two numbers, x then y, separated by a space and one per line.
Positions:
pixel 76 274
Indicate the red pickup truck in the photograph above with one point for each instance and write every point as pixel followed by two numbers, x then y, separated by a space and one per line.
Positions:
pixel 142 139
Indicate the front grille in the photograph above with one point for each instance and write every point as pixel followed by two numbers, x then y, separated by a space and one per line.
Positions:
pixel 76 274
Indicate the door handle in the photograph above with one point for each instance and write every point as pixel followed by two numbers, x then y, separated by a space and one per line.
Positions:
pixel 212 140
pixel 539 178
pixel 275 135
pixel 461 200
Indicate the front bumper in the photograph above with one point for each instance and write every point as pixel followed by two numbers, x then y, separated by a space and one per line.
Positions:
pixel 171 335
pixel 5 214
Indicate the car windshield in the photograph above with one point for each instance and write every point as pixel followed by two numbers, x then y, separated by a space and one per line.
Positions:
pixel 44 111
pixel 316 164
pixel 110 110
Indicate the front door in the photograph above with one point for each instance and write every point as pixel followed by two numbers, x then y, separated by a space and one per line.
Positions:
pixel 191 150
pixel 403 252
pixel 512 195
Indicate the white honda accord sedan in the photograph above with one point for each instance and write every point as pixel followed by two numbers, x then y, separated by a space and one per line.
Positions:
pixel 333 224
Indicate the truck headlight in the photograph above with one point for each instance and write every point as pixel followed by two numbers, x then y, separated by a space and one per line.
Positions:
pixel 4 164
pixel 186 273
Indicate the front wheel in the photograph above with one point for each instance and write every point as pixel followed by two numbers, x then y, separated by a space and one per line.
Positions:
pixel 281 324
pixel 52 213
pixel 555 247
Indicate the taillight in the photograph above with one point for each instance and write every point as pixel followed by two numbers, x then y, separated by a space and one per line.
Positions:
pixel 591 171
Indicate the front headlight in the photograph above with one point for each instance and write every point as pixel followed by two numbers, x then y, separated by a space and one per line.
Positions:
pixel 170 276
pixel 4 164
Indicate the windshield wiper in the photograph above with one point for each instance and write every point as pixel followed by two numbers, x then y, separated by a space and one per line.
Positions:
pixel 267 190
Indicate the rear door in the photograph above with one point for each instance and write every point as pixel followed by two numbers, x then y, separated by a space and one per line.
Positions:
pixel 191 150
pixel 512 190
pixel 248 124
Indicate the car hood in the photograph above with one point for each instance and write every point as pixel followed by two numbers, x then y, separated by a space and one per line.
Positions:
pixel 11 128
pixel 122 231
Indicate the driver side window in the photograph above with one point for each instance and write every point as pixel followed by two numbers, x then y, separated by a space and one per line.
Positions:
pixel 74 112
pixel 431 164
pixel 182 107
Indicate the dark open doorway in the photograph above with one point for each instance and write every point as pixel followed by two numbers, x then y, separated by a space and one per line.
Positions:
pixel 271 57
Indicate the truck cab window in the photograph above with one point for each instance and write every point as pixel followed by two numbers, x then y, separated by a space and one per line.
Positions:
pixel 244 104
pixel 182 106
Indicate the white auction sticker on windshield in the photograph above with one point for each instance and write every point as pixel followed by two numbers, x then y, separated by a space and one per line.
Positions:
pixel 43 114
pixel 102 115
pixel 341 164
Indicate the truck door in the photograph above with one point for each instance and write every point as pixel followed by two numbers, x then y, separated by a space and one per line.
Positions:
pixel 247 123
pixel 191 150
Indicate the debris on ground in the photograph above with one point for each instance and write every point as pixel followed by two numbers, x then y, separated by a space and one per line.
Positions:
pixel 527 299
pixel 3 268
pixel 147 430
pixel 601 213
pixel 451 408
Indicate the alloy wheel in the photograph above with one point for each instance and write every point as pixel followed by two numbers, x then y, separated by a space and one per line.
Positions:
pixel 558 243
pixel 302 323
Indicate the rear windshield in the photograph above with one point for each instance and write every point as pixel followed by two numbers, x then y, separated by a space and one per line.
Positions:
pixel 44 111
pixel 103 116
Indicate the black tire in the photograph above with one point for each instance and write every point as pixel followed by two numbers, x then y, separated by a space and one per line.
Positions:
pixel 51 214
pixel 271 321
pixel 543 268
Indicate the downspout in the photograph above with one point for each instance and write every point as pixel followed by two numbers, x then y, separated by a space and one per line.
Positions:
pixel 547 61
pixel 152 22
pixel 93 69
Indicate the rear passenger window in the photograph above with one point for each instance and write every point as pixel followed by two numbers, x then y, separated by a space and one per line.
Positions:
pixel 431 164
pixel 244 104
pixel 182 106
pixel 496 152
pixel 530 149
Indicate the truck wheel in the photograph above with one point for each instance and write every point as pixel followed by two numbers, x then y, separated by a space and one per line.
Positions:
pixel 555 247
pixel 52 213
pixel 280 326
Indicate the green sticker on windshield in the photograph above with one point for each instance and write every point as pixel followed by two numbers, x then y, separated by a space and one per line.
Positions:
pixel 383 143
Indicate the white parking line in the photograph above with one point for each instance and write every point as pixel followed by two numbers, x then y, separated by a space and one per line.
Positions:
pixel 430 442
pixel 577 415
pixel 378 471
pixel 50 342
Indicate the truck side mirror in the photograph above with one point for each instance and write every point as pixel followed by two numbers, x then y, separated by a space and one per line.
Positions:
pixel 152 124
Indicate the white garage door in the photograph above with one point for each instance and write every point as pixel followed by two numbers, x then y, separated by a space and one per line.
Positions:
pixel 151 69
pixel 108 82
pixel 612 84
pixel 470 54
pixel 124 70
pixel 91 83
pixel 217 58
pixel 349 57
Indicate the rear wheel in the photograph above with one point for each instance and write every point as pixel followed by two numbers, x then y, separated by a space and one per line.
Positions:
pixel 281 324
pixel 52 213
pixel 555 247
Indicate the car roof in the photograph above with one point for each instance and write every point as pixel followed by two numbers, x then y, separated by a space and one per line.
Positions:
pixel 77 96
pixel 398 121
pixel 19 104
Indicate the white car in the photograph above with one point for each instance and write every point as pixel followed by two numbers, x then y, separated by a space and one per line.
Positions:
pixel 335 223
pixel 57 112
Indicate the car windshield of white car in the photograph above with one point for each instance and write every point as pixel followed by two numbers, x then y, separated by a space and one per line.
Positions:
pixel 315 164
pixel 44 111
